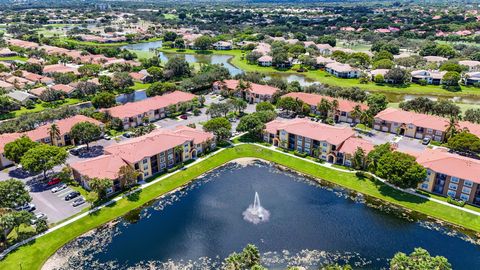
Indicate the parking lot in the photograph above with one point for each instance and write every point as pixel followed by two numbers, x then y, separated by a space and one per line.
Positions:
pixel 405 144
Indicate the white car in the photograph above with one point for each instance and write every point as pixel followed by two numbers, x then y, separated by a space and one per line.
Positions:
pixel 38 216
pixel 59 188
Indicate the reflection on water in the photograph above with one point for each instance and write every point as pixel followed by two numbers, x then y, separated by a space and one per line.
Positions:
pixel 143 46
pixel 132 97
pixel 310 225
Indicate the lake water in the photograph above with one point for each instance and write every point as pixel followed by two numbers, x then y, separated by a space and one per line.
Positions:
pixel 144 46
pixel 309 225
pixel 132 97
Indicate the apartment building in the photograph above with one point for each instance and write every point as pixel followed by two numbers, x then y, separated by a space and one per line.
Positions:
pixel 305 136
pixel 149 154
pixel 342 70
pixel 417 125
pixel 451 175
pixel 151 109
pixel 343 113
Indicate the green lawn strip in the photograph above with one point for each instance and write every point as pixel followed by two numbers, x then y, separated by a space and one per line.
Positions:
pixel 42 106
pixel 140 86
pixel 13 58
pixel 115 44
pixel 33 256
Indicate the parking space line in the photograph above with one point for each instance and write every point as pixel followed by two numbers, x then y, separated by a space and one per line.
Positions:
pixel 63 192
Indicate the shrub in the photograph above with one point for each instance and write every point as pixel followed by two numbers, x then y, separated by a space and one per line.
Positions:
pixel 455 202
pixel 299 154
pixel 360 175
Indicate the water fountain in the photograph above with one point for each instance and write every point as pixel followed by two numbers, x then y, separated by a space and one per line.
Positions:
pixel 255 213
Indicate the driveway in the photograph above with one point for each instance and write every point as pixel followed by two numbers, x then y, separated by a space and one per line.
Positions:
pixel 405 144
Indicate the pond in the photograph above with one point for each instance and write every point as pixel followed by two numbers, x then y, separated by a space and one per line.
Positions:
pixel 309 225
pixel 144 46
pixel 132 97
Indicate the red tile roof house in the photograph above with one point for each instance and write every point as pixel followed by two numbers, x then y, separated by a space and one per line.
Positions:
pixel 149 154
pixel 22 44
pixel 36 78
pixel 305 136
pixel 347 150
pixel 417 125
pixel 65 88
pixel 256 93
pixel 60 68
pixel 41 134
pixel 344 106
pixel 133 114
pixel 451 175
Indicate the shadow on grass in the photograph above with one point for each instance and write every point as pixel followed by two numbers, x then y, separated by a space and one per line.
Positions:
pixel 399 195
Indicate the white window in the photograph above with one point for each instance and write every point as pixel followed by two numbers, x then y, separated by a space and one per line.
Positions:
pixel 466 190
pixel 452 186
pixel 145 161
pixel 468 183
pixel 451 193
pixel 324 157
pixel 307 145
pixel 454 180
pixel 324 144
pixel 438 132
pixel 425 186
pixel 464 197
pixel 162 165
pixel 145 174
pixel 429 130
pixel 410 126
pixel 162 159
pixel 429 172
pixel 145 167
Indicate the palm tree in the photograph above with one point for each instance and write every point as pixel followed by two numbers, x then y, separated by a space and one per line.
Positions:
pixel 451 128
pixel 356 113
pixel 178 152
pixel 54 132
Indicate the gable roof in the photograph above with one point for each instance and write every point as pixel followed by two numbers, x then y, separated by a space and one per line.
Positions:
pixel 313 100
pixel 255 88
pixel 313 130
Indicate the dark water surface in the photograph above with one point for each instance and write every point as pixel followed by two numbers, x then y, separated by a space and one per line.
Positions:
pixel 309 225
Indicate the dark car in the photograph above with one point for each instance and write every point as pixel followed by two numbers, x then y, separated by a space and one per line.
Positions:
pixel 72 195
pixel 127 135
pixel 184 116
pixel 74 152
pixel 426 141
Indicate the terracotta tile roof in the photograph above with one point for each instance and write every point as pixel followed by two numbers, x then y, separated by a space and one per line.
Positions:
pixel 313 130
pixel 6 85
pixel 423 120
pixel 105 166
pixel 339 67
pixel 352 143
pixel 136 149
pixel 198 136
pixel 255 88
pixel 38 91
pixel 22 43
pixel 63 87
pixel 132 109
pixel 439 160
pixel 59 68
pixel 313 100
pixel 64 125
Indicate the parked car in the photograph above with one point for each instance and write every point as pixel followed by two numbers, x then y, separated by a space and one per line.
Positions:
pixel 353 124
pixel 426 141
pixel 72 195
pixel 74 151
pixel 39 216
pixel 184 116
pixel 78 202
pixel 106 137
pixel 59 188
pixel 54 181
pixel 27 207
pixel 127 134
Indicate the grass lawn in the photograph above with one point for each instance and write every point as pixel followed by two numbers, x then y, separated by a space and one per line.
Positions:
pixel 13 58
pixel 140 86
pixel 44 105
pixel 170 16
pixel 116 44
pixel 33 255
pixel 463 106
pixel 143 54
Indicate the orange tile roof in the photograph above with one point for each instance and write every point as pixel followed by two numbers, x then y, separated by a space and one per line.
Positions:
pixel 63 87
pixel 198 136
pixel 132 109
pixel 105 166
pixel 64 125
pixel 255 88
pixel 441 161
pixel 352 143
pixel 313 100
pixel 313 130
pixel 6 138
pixel 59 68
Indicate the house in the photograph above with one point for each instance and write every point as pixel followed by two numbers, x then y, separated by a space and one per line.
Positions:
pixel 325 49
pixel 38 91
pixel 36 78
pixel 263 48
pixel 149 154
pixel 21 96
pixel 342 70
pixel 435 59
pixel 22 44
pixel 253 93
pixel 265 61
pixel 222 45
pixel 473 66
pixel 429 76
pixel 60 68
pixel 417 125
pixel 42 134
pixel 141 76
pixel 451 175
pixel 470 78
pixel 343 113
pixel 380 71
pixel 323 61
pixel 347 150
pixel 151 109
pixel 7 86
pixel 18 82
pixel 309 137
pixel 6 52
pixel 65 88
